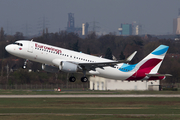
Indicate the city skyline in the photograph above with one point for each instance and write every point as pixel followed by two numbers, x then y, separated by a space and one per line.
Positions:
pixel 29 17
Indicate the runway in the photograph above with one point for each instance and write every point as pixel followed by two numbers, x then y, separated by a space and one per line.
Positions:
pixel 91 96
pixel 77 114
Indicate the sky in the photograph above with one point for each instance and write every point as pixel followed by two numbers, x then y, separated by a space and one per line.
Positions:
pixel 27 16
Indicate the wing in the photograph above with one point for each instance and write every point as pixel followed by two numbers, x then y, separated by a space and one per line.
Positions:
pixel 92 66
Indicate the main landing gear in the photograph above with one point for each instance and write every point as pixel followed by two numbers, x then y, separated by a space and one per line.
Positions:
pixel 73 79
pixel 83 79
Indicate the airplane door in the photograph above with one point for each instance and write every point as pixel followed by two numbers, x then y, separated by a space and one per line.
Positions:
pixel 30 47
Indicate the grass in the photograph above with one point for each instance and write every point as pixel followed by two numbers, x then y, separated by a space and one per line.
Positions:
pixel 90 108
pixel 89 117
pixel 78 91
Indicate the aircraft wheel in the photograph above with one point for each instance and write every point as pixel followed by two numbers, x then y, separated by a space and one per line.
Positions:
pixel 24 66
pixel 84 79
pixel 72 79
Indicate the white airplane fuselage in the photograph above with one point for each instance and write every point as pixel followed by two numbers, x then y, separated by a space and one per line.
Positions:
pixel 51 55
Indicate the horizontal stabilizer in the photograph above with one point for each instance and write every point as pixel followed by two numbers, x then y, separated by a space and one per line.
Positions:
pixel 156 75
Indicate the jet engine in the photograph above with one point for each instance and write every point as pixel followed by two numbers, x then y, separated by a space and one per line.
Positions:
pixel 49 68
pixel 68 67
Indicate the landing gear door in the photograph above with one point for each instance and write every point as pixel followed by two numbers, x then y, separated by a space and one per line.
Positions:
pixel 30 47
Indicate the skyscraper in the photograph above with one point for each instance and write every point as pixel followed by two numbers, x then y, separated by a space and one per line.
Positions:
pixel 126 29
pixel 70 23
pixel 176 24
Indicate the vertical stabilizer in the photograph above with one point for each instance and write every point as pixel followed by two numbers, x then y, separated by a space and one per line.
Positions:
pixel 153 61
pixel 150 64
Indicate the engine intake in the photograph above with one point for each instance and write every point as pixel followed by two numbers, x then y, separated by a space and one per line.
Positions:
pixel 68 67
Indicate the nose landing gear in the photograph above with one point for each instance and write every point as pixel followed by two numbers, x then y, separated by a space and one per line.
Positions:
pixel 25 64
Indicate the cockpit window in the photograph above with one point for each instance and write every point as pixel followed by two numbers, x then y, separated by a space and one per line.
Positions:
pixel 19 44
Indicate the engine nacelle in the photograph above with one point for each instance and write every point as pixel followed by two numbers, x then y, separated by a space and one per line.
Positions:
pixel 49 68
pixel 68 67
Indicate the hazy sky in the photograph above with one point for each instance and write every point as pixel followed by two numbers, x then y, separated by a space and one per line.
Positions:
pixel 155 16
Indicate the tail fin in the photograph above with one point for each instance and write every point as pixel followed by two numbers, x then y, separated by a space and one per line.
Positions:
pixel 152 62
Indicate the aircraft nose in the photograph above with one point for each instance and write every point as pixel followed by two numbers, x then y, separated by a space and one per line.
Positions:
pixel 8 48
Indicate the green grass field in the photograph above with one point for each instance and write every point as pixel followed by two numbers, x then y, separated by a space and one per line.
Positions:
pixel 90 108
pixel 75 91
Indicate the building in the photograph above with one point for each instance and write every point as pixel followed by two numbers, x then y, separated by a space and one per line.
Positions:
pixel 81 31
pixel 176 24
pixel 99 83
pixel 138 29
pixel 70 23
pixel 85 27
pixel 126 29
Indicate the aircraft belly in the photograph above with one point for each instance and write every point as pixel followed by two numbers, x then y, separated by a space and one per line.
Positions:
pixel 113 73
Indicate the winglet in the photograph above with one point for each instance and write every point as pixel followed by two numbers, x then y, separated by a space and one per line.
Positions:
pixel 131 56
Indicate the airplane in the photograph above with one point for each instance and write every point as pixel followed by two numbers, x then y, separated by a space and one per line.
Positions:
pixel 55 59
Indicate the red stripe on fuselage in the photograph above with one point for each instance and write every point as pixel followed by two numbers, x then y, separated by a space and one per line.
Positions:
pixel 144 69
